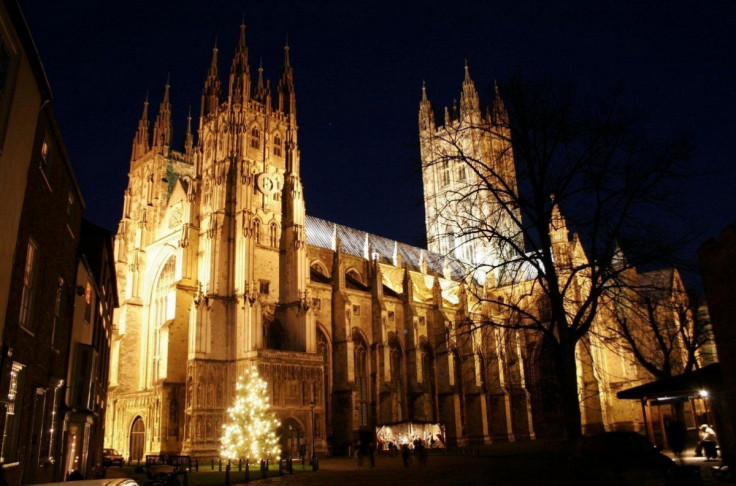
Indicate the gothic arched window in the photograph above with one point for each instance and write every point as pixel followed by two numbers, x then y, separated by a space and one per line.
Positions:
pixel 277 146
pixel 396 381
pixel 361 378
pixel 273 235
pixel 445 174
pixel 257 230
pixel 162 304
pixel 255 138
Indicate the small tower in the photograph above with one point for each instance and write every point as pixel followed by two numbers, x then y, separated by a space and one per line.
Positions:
pixel 212 89
pixel 140 142
pixel 162 133
pixel 239 86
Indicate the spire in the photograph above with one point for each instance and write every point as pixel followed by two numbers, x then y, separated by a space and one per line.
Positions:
pixel 426 115
pixel 212 87
pixel 558 225
pixel 162 126
pixel 262 88
pixel 239 86
pixel 188 139
pixel 140 141
pixel 287 98
pixel 469 101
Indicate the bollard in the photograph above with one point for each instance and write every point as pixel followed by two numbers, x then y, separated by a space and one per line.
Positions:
pixel 219 464
pixel 291 465
pixel 247 471
pixel 240 464
pixel 212 466
pixel 227 474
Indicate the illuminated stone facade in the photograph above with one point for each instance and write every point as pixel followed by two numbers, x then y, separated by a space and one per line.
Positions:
pixel 219 267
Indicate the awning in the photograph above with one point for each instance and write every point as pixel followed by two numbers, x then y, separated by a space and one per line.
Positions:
pixel 688 384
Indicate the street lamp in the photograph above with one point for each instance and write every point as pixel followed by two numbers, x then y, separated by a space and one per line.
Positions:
pixel 311 406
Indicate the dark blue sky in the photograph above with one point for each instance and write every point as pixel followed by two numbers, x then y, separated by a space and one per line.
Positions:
pixel 359 68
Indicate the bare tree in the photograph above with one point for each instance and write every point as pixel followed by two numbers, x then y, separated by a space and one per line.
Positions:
pixel 496 189
pixel 658 322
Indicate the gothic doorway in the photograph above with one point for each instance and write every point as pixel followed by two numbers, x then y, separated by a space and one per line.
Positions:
pixel 137 439
pixel 292 437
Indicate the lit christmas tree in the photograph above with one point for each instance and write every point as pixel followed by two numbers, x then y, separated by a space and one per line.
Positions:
pixel 251 432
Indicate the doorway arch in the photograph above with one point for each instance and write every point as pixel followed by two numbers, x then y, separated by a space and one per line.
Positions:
pixel 137 439
pixel 292 437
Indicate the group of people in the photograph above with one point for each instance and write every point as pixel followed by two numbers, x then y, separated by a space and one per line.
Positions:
pixel 677 436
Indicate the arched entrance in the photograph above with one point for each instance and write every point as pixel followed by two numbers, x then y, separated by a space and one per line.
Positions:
pixel 292 437
pixel 137 439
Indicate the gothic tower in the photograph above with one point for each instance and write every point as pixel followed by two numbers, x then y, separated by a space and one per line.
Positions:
pixel 211 257
pixel 467 168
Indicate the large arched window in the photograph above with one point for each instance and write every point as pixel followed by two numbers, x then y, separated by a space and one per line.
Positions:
pixel 428 376
pixel 396 375
pixel 458 375
pixel 323 349
pixel 162 310
pixel 361 377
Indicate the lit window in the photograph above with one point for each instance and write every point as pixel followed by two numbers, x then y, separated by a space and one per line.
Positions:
pixel 255 138
pixel 29 286
pixel 45 150
pixel 87 303
pixel 13 400
pixel 277 146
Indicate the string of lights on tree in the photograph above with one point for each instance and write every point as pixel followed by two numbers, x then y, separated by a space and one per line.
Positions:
pixel 251 432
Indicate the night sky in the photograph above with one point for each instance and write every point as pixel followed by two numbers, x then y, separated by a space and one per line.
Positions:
pixel 358 70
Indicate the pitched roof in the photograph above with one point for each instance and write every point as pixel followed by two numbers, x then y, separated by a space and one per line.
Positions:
pixel 323 234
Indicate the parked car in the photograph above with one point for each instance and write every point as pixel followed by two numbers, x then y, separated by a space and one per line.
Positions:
pixel 624 458
pixel 95 482
pixel 110 457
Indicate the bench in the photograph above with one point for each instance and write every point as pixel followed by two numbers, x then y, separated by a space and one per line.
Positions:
pixel 184 463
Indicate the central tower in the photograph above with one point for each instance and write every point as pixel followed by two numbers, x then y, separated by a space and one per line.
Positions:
pixel 469 178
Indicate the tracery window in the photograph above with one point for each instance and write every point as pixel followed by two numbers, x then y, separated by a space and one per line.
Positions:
pixel 161 313
pixel 277 146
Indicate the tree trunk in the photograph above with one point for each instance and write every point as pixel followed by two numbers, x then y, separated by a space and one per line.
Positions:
pixel 567 374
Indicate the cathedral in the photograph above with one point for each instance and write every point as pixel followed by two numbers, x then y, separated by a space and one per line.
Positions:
pixel 219 268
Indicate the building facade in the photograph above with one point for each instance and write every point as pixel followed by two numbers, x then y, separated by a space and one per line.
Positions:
pixel 85 398
pixel 219 267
